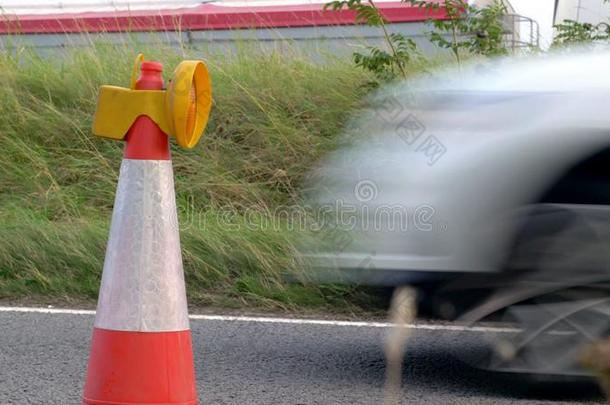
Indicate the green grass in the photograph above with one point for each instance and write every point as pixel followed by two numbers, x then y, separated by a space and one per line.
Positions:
pixel 273 117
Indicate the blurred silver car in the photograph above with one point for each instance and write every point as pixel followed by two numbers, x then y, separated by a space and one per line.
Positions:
pixel 489 188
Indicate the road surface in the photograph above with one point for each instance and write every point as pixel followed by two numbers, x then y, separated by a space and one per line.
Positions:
pixel 251 361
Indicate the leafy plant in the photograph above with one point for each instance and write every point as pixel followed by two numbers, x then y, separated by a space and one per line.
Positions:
pixel 467 28
pixel 385 64
pixel 570 32
pixel 488 30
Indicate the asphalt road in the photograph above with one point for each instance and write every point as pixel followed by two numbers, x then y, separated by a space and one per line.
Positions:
pixel 43 359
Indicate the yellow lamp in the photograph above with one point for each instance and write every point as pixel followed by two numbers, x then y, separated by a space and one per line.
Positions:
pixel 181 111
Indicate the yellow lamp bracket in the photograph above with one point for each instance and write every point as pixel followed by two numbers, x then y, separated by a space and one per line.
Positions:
pixel 181 111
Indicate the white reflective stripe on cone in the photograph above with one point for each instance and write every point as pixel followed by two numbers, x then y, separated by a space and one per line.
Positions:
pixel 143 282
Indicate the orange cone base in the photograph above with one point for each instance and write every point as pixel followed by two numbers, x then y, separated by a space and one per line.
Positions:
pixel 128 368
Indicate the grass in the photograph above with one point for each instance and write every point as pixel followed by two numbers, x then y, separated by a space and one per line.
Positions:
pixel 273 117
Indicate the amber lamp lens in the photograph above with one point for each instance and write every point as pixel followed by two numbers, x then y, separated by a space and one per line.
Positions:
pixel 191 113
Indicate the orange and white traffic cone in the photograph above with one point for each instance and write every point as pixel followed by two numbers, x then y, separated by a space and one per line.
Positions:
pixel 141 350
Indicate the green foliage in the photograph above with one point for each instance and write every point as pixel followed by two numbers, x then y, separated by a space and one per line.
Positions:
pixel 366 13
pixel 388 64
pixel 570 33
pixel 574 33
pixel 57 181
pixel 488 30
pixel 467 28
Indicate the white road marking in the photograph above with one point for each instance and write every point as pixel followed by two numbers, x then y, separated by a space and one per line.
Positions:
pixel 48 310
pixel 295 321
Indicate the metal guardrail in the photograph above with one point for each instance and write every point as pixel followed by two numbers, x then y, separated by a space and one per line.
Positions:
pixel 521 32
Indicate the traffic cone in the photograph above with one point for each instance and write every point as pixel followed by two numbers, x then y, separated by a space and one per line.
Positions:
pixel 141 351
